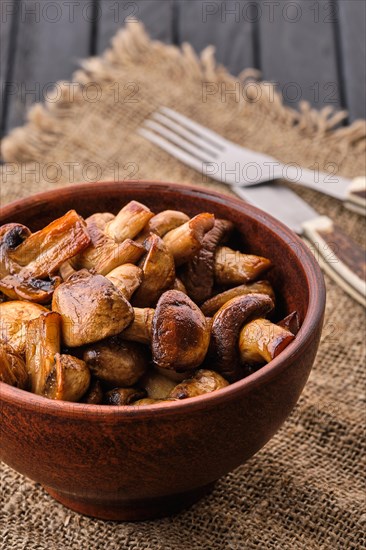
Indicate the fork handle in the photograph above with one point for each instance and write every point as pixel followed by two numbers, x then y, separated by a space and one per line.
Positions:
pixel 342 258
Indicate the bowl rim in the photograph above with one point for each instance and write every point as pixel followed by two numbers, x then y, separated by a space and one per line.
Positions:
pixel 313 317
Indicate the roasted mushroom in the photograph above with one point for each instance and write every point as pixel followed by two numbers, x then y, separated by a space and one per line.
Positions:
pixel 156 384
pixel 127 278
pixel 51 374
pixel 162 223
pixel 119 363
pixel 104 254
pixel 129 222
pixel 260 341
pixel 234 268
pixel 31 264
pixel 177 329
pixel 92 308
pixel 14 317
pixel 203 381
pixel 12 368
pixel 226 325
pixel 198 275
pixel 123 396
pixel 94 395
pixel 291 322
pixel 158 273
pixel 213 304
pixel 186 240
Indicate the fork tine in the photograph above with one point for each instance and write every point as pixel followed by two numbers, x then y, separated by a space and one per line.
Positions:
pixel 192 137
pixel 179 141
pixel 181 155
pixel 210 135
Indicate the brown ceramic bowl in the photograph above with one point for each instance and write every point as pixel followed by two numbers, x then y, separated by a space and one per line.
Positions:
pixel 127 463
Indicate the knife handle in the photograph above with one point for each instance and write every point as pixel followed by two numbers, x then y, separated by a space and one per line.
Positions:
pixel 342 258
pixel 356 199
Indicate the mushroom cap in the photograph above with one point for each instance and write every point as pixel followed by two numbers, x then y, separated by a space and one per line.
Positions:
pixel 92 309
pixel 156 384
pixel 14 317
pixel 11 236
pixel 69 380
pixel 116 362
pixel 12 368
pixel 128 223
pixel 123 396
pixel 226 325
pixel 198 275
pixel 203 381
pixel 180 335
pixel 158 273
pixel 94 395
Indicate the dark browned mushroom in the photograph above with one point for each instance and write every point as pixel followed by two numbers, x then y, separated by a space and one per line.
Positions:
pixel 129 222
pixel 260 341
pixel 92 308
pixel 203 381
pixel 123 396
pixel 226 325
pixel 28 266
pixel 186 240
pixel 213 304
pixel 234 268
pixel 198 275
pixel 158 273
pixel 177 330
pixel 14 317
pixel 12 367
pixel 104 254
pixel 94 395
pixel 291 322
pixel 119 363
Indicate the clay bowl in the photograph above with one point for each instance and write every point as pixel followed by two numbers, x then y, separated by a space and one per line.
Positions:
pixel 125 463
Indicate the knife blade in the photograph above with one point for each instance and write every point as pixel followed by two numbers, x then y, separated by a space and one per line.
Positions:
pixel 341 257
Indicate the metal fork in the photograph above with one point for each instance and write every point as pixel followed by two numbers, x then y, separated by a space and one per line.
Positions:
pixel 218 158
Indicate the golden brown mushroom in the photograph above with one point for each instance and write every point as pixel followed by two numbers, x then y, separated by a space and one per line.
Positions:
pixel 104 254
pixel 123 396
pixel 28 266
pixel 162 223
pixel 198 274
pixel 226 326
pixel 156 384
pixel 127 278
pixel 92 309
pixel 119 363
pixel 186 240
pixel 158 273
pixel 234 268
pixel 203 381
pixel 259 287
pixel 14 316
pixel 51 374
pixel 260 341
pixel 129 222
pixel 177 330
pixel 12 368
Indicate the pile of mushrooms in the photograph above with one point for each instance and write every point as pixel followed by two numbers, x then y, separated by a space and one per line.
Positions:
pixel 133 309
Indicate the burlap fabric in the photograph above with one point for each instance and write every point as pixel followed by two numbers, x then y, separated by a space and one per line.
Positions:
pixel 305 489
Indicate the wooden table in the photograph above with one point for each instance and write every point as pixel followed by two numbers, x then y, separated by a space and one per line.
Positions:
pixel 314 49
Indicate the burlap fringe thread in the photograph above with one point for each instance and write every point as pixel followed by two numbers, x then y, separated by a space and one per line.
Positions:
pixel 132 45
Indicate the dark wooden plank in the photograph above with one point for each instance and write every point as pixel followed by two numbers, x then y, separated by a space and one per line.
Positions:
pixel 352 25
pixel 226 25
pixel 52 38
pixel 297 43
pixel 7 10
pixel 156 15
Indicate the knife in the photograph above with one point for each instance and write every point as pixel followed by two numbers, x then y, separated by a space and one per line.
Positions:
pixel 339 256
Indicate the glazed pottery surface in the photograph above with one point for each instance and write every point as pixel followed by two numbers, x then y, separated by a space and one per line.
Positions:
pixel 133 463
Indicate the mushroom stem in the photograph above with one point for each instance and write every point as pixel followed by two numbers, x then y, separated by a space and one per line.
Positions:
pixel 129 221
pixel 140 330
pixel 162 223
pixel 72 379
pixel 234 268
pixel 260 341
pixel 127 278
pixel 185 241
pixel 212 305
pixel 43 342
